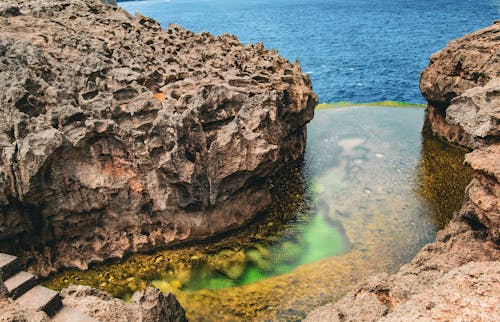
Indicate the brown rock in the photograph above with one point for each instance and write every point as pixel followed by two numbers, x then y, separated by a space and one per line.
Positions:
pixel 467 62
pixel 147 305
pixel 119 136
pixel 470 293
pixel 483 193
pixel 461 84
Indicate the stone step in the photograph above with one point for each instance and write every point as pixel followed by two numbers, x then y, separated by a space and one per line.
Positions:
pixel 20 283
pixel 67 314
pixel 9 265
pixel 41 298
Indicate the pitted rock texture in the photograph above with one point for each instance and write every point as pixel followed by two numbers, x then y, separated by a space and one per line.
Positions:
pixel 483 193
pixel 13 312
pixel 462 86
pixel 455 278
pixel 144 306
pixel 119 136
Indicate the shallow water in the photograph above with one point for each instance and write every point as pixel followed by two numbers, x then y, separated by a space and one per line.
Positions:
pixel 354 50
pixel 363 200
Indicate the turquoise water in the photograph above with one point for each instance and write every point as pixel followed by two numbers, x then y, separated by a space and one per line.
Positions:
pixel 354 50
pixel 308 239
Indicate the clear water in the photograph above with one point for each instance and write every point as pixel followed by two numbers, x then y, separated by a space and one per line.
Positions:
pixel 354 50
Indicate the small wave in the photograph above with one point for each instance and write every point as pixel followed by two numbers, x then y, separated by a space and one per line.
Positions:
pixel 383 103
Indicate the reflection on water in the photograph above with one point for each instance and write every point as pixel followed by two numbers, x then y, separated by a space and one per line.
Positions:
pixel 369 194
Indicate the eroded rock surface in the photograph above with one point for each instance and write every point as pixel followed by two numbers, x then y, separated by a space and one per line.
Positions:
pixel 13 312
pixel 462 86
pixel 147 305
pixel 119 136
pixel 457 276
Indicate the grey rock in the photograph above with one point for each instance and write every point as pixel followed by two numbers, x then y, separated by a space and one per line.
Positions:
pixel 13 312
pixel 477 112
pixel 467 62
pixel 144 306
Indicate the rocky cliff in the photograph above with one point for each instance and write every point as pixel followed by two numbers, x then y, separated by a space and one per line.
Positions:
pixel 117 135
pixel 462 85
pixel 457 276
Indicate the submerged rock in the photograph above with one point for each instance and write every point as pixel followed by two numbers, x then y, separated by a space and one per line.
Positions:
pixel 457 276
pixel 119 136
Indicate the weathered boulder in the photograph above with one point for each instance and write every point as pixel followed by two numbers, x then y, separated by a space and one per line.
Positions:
pixel 462 84
pixel 147 305
pixel 457 276
pixel 119 136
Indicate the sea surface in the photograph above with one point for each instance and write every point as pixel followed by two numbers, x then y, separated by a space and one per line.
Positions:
pixel 354 50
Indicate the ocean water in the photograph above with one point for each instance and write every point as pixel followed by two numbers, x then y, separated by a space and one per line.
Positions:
pixel 354 50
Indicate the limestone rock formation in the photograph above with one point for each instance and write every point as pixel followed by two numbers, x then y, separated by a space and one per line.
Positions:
pixel 457 276
pixel 462 85
pixel 119 136
pixel 147 305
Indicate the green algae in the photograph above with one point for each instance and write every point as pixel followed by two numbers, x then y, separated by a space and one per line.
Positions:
pixel 369 195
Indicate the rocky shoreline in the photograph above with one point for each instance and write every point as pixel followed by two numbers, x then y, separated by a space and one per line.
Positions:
pixel 118 136
pixel 165 136
pixel 457 276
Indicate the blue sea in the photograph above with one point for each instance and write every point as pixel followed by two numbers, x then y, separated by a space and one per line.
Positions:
pixel 354 50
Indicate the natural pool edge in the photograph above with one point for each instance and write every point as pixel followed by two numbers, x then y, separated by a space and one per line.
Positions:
pixel 278 287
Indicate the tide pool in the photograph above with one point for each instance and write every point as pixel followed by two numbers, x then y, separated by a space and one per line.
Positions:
pixel 370 192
